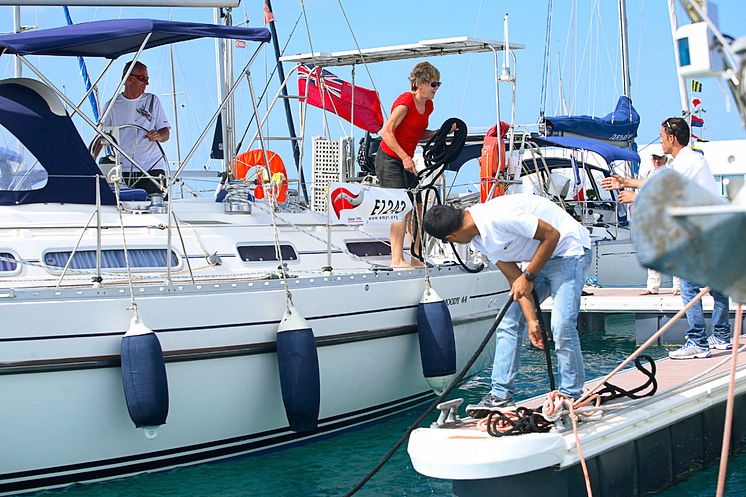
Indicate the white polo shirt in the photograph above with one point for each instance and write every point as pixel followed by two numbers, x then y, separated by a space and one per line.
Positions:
pixel 144 111
pixel 507 226
pixel 694 166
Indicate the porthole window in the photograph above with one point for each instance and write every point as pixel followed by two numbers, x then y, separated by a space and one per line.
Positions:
pixel 267 252
pixel 111 259
pixel 368 248
pixel 8 263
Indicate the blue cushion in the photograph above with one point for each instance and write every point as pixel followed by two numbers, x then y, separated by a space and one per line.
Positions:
pixel 133 195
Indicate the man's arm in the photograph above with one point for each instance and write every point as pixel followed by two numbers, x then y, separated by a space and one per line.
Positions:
pixel 616 182
pixel 548 238
pixel 512 272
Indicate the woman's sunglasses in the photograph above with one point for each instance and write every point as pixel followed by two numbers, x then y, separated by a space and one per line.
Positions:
pixel 435 84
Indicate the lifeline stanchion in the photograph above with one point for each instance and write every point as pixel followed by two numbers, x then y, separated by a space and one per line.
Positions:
pixel 729 404
pixel 441 397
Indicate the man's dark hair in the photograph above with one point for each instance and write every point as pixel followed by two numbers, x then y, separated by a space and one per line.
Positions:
pixel 442 220
pixel 677 127
pixel 128 64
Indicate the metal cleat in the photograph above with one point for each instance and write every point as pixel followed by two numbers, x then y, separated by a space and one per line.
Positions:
pixel 448 417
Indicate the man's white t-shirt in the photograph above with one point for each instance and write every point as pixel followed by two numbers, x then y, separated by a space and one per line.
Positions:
pixel 694 166
pixel 144 111
pixel 507 226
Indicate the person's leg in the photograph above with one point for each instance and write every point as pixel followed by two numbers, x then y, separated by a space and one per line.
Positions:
pixel 696 345
pixel 721 317
pixel 507 360
pixel 390 173
pixel 397 244
pixel 416 237
pixel 566 276
pixel 695 316
pixel 653 284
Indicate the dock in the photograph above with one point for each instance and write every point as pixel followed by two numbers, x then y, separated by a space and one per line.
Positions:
pixel 640 448
pixel 649 312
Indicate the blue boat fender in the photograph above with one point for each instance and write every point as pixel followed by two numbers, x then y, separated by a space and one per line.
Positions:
pixel 144 378
pixel 437 342
pixel 298 363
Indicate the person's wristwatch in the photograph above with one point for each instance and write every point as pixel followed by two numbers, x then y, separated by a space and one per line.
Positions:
pixel 529 275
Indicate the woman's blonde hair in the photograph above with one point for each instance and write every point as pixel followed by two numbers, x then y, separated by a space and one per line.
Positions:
pixel 423 72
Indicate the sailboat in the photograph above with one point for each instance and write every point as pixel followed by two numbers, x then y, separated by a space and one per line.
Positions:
pixel 147 332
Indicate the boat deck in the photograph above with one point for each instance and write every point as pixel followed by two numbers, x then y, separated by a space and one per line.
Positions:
pixel 681 424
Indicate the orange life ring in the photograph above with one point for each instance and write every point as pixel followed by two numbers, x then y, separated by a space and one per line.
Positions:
pixel 255 158
pixel 492 162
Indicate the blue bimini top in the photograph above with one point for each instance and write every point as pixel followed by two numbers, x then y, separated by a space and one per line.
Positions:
pixel 111 39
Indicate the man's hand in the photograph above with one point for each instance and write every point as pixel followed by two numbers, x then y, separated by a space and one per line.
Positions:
pixel 627 197
pixel 521 288
pixel 154 136
pixel 614 182
pixel 534 335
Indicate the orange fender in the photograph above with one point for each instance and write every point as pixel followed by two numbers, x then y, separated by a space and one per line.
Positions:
pixel 492 162
pixel 255 158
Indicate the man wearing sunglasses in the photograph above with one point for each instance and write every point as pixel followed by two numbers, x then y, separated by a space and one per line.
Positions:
pixel 691 164
pixel 144 111
pixel 531 229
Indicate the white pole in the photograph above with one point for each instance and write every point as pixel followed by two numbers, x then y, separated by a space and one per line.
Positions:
pixel 220 70
pixel 18 71
pixel 682 82
pixel 625 47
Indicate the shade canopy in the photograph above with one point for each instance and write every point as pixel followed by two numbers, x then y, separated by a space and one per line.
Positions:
pixel 34 115
pixel 610 153
pixel 113 38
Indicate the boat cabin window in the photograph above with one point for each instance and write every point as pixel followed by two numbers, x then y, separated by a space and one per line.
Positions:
pixel 266 252
pixel 8 263
pixel 112 259
pixel 19 169
pixel 368 248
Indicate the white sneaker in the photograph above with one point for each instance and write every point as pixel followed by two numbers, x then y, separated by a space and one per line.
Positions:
pixel 716 343
pixel 690 350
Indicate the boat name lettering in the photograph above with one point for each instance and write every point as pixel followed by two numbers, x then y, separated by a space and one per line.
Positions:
pixel 388 207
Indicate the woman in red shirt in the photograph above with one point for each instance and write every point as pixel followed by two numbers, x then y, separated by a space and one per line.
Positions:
pixel 401 133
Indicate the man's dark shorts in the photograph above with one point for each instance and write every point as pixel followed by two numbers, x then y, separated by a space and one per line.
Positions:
pixel 391 173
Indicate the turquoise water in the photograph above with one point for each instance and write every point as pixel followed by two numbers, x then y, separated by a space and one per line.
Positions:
pixel 332 466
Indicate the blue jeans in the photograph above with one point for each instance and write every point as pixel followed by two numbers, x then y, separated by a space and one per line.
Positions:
pixel 696 317
pixel 562 278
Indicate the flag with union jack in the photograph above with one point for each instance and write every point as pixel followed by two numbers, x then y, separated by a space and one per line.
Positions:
pixel 329 92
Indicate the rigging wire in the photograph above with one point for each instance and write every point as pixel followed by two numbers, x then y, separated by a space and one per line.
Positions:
pixel 365 64
pixel 471 58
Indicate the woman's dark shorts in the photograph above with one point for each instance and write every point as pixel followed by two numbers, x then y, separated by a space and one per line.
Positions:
pixel 391 173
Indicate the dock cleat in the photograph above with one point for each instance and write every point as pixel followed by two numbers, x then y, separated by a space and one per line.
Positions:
pixel 488 404
pixel 718 343
pixel 690 350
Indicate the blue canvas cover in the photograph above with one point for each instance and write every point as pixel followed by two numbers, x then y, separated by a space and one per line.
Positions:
pixel 620 125
pixel 113 38
pixel 56 144
pixel 610 153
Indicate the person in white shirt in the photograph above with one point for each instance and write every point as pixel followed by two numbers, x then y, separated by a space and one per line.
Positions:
pixel 693 165
pixel 653 284
pixel 149 127
pixel 525 228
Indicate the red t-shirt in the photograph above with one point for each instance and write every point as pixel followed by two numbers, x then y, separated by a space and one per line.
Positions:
pixel 410 129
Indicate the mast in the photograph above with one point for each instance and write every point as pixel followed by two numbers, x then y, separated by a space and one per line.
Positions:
pixel 222 88
pixel 18 67
pixel 625 47
pixel 286 101
pixel 683 93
